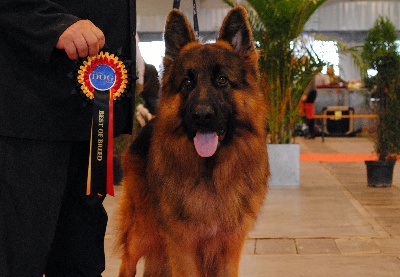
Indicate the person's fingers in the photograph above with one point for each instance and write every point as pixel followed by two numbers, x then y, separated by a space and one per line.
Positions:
pixel 140 119
pixel 69 48
pixel 100 36
pixel 82 46
pixel 81 39
pixel 90 47
pixel 143 115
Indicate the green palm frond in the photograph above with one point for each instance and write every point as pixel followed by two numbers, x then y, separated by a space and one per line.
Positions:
pixel 287 61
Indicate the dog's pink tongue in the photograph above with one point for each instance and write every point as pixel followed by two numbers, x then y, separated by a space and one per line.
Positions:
pixel 206 144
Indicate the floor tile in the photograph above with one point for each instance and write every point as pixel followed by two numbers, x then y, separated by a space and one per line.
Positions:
pixel 357 246
pixel 316 246
pixel 275 246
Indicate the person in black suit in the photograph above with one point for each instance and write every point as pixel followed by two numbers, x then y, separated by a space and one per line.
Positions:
pixel 47 223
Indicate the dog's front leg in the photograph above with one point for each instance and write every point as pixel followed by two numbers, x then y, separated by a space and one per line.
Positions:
pixel 182 258
pixel 227 261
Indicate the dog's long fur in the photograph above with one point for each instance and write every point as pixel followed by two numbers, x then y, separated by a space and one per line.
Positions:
pixel 189 215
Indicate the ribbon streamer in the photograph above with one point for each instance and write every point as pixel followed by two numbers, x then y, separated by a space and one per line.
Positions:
pixel 100 146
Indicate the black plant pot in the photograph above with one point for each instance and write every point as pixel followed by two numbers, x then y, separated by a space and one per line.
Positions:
pixel 380 173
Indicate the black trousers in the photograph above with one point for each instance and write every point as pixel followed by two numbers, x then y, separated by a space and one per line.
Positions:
pixel 47 223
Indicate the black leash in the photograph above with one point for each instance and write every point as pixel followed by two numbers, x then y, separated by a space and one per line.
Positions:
pixel 177 4
pixel 195 22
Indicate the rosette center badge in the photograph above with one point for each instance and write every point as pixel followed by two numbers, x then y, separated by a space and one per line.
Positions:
pixel 102 72
pixel 102 77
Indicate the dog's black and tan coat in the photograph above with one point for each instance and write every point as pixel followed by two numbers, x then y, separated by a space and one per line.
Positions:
pixel 195 179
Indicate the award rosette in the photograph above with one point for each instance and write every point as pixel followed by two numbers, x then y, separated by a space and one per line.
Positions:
pixel 102 79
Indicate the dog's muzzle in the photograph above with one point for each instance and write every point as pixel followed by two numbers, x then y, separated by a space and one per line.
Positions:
pixel 208 133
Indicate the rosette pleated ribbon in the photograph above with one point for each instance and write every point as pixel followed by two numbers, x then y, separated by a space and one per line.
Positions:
pixel 102 79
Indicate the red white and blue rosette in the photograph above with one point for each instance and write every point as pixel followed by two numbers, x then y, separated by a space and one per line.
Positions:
pixel 102 79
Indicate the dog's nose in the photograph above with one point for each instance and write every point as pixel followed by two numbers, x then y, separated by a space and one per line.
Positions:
pixel 203 114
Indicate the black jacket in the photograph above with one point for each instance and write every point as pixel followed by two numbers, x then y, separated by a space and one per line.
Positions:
pixel 35 91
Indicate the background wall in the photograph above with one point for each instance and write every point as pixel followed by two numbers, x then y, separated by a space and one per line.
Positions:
pixel 344 20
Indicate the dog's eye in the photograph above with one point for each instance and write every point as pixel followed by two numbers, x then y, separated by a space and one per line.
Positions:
pixel 222 80
pixel 187 82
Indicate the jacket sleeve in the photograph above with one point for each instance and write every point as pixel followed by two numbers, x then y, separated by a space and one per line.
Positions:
pixel 34 24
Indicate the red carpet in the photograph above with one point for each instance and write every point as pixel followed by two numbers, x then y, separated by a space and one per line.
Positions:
pixel 337 158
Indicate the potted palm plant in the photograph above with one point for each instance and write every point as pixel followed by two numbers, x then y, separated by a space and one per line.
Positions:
pixel 380 54
pixel 287 60
pixel 287 65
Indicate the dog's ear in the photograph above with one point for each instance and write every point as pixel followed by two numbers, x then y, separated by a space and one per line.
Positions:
pixel 177 34
pixel 237 31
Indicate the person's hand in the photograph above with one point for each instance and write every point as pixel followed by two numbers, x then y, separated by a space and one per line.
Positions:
pixel 143 115
pixel 81 39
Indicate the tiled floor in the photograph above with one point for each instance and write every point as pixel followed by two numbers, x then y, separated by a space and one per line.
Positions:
pixel 333 224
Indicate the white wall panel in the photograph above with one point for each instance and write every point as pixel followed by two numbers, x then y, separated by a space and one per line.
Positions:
pixel 353 15
pixel 334 15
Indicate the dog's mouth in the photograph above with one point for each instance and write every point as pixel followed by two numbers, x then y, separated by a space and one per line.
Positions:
pixel 207 143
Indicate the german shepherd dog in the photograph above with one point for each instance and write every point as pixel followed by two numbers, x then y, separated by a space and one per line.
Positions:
pixel 196 176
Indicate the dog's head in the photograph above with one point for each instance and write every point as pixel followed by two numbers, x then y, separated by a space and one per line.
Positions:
pixel 209 80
